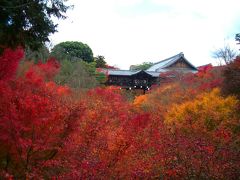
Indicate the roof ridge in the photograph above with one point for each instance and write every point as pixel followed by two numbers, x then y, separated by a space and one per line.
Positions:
pixel 181 53
pixel 120 69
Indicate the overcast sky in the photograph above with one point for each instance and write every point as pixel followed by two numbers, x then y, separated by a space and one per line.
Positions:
pixel 128 32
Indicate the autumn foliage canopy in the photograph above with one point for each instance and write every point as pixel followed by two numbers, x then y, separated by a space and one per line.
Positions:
pixel 185 129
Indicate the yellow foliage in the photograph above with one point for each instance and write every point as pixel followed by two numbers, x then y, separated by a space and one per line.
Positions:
pixel 207 112
pixel 139 100
pixel 161 99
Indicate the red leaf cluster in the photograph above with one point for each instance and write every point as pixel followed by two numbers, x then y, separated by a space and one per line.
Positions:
pixel 9 61
pixel 52 132
pixel 231 81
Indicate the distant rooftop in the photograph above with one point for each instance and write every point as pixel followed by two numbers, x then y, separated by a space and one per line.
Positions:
pixel 167 62
pixel 128 72
pixel 156 68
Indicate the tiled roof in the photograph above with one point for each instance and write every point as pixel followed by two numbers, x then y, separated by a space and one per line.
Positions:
pixel 128 72
pixel 155 69
pixel 167 62
pixel 119 72
pixel 153 73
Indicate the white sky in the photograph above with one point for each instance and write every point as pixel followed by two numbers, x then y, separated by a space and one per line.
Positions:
pixel 128 32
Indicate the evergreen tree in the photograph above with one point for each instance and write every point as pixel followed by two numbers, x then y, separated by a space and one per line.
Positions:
pixel 28 22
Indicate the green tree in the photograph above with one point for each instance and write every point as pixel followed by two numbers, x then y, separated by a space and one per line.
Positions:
pixel 28 22
pixel 42 54
pixel 99 76
pixel 76 75
pixel 237 38
pixel 143 66
pixel 79 74
pixel 73 51
pixel 100 62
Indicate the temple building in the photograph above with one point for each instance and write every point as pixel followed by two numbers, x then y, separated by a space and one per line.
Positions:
pixel 144 79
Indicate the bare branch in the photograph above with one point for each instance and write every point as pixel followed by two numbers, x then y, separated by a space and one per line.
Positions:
pixel 225 54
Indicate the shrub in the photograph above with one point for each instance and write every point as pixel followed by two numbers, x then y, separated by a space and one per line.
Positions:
pixel 231 81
